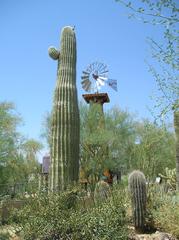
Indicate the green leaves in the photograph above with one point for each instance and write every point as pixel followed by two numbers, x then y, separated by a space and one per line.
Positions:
pixel 49 217
pixel 14 163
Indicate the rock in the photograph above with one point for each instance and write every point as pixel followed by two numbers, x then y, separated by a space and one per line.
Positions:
pixel 155 236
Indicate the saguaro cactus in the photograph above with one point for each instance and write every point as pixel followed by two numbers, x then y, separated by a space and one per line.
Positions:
pixel 137 187
pixel 65 116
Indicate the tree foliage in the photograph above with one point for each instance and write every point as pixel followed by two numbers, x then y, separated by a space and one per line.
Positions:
pixel 9 143
pixel 18 157
pixel 123 143
pixel 155 149
pixel 163 14
pixel 127 144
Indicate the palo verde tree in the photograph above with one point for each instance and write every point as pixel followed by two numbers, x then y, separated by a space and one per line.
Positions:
pixel 94 141
pixel 9 143
pixel 162 14
pixel 30 148
pixel 15 160
pixel 130 143
pixel 154 149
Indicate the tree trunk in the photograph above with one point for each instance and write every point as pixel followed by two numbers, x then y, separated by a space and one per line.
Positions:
pixel 176 126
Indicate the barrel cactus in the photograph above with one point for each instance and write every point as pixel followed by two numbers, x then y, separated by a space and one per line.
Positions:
pixel 101 192
pixel 137 187
pixel 65 115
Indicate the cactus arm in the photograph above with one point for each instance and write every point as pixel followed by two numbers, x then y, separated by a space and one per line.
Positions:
pixel 54 53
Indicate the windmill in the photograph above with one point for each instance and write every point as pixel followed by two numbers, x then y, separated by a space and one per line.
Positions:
pixel 93 78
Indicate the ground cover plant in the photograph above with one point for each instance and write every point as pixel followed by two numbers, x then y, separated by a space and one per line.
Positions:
pixel 63 216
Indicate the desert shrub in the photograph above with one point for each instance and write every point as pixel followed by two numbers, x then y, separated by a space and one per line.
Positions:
pixel 4 236
pixel 107 220
pixel 155 196
pixel 163 210
pixel 59 217
pixel 166 216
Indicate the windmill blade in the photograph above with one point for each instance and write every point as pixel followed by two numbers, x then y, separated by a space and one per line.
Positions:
pixel 100 81
pixel 102 67
pixel 103 75
pixel 95 76
pixel 84 81
pixel 98 65
pixel 85 77
pixel 112 83
pixel 102 78
pixel 86 73
pixel 106 71
pixel 86 85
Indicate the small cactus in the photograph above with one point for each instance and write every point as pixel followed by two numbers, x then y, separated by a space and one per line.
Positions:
pixel 137 187
pixel 101 192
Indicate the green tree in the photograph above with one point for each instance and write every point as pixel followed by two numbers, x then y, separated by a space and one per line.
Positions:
pixel 154 150
pixel 163 14
pixel 30 148
pixel 124 144
pixel 46 129
pixel 9 143
pixel 109 147
pixel 122 127
pixel 14 167
pixel 94 140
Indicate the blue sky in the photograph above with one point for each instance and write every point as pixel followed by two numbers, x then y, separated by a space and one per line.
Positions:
pixel 104 33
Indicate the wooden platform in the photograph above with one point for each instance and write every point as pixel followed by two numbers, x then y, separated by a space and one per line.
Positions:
pixel 96 98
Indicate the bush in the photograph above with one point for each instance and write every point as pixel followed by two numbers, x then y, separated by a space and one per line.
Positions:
pixel 163 210
pixel 58 217
pixel 4 236
pixel 166 216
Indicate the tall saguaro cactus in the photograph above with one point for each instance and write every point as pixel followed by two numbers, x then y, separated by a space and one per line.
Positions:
pixel 65 116
pixel 137 187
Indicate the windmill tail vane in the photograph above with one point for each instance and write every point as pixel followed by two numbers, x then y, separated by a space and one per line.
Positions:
pixel 112 83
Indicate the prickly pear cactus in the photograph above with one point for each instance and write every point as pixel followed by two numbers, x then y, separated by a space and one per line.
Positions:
pixel 65 116
pixel 137 187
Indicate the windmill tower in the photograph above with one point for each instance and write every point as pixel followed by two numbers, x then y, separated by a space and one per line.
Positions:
pixel 93 78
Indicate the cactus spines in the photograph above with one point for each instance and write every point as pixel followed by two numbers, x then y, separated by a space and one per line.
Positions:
pixel 65 115
pixel 137 187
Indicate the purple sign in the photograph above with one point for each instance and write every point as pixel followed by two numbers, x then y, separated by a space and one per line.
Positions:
pixel 46 164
